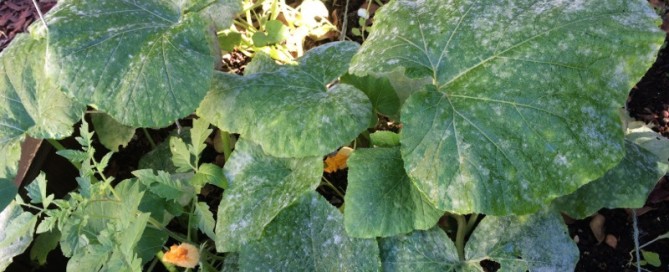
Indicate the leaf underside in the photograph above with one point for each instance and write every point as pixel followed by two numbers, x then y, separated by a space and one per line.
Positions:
pixel 523 105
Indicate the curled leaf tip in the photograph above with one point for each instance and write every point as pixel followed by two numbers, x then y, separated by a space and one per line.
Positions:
pixel 184 255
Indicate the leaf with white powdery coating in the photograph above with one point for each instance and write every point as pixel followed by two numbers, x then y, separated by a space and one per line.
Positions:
pixel 309 236
pixel 289 111
pixel 523 105
pixel 625 186
pixel 17 233
pixel 260 187
pixel 30 102
pixel 536 242
pixel 427 251
pixel 142 62
pixel 380 198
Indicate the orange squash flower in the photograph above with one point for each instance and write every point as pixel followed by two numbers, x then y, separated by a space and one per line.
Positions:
pixel 184 255
pixel 338 160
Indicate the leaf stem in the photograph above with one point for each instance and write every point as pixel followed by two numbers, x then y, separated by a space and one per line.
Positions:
pixel 329 184
pixel 148 136
pixel 636 240
pixel 168 266
pixel 153 263
pixel 59 147
pixel 460 235
pixel 160 227
pixel 471 222
pixel 41 16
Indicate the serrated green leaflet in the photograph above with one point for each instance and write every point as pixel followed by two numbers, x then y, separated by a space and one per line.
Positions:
pixel 309 236
pixel 142 62
pixel 289 111
pixel 163 184
pixel 536 242
pixel 111 133
pixel 209 173
pixel 17 232
pixel 31 103
pixel 260 187
pixel 205 219
pixel 625 186
pixel 428 251
pixel 380 199
pixel 523 105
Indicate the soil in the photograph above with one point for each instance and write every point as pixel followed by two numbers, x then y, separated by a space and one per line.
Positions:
pixel 648 101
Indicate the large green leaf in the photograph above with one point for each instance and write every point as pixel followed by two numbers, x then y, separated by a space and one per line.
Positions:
pixel 625 186
pixel 142 62
pixel 524 96
pixel 31 103
pixel 111 133
pixel 309 236
pixel 260 187
pixel 427 251
pixel 380 199
pixel 17 233
pixel 9 162
pixel 290 112
pixel 536 242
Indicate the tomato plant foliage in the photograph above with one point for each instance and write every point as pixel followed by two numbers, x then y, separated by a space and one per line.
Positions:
pixel 508 110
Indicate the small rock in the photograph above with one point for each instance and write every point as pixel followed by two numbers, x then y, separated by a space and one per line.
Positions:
pixel 611 241
pixel 597 227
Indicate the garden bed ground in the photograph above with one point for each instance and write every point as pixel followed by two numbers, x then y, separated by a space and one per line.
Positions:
pixel 648 101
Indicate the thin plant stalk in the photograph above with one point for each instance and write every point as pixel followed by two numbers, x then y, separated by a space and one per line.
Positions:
pixel 460 235
pixel 148 136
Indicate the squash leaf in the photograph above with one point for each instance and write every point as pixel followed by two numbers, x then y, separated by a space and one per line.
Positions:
pixel 291 112
pixel 524 96
pixel 144 63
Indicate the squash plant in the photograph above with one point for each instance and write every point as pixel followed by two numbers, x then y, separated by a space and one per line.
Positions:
pixel 509 113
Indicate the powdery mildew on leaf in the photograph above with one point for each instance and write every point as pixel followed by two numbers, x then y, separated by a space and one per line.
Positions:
pixel 17 233
pixel 523 104
pixel 309 236
pixel 625 186
pixel 142 62
pixel 29 101
pixel 291 112
pixel 260 187
pixel 380 198
pixel 428 251
pixel 536 242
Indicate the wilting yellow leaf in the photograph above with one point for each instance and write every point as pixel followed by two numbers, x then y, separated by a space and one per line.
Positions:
pixel 338 160
pixel 184 255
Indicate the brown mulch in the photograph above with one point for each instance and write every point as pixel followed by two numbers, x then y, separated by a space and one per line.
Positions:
pixel 17 15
